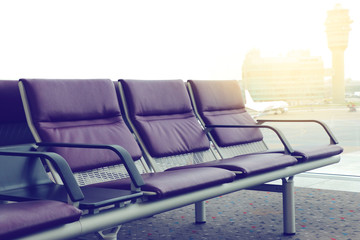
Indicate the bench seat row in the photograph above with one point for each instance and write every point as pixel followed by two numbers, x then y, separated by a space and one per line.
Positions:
pixel 139 148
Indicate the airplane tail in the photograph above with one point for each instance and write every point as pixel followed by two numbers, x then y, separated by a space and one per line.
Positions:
pixel 248 97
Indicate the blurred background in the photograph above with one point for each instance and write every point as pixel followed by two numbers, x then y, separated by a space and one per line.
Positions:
pixel 304 54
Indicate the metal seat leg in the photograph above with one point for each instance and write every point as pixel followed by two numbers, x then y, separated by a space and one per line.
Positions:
pixel 288 206
pixel 200 212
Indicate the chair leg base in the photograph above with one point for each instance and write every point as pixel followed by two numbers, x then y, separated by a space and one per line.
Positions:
pixel 202 222
pixel 289 234
pixel 110 234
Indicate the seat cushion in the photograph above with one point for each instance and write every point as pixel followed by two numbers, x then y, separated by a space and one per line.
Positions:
pixel 79 111
pixel 317 152
pixel 11 107
pixel 171 183
pixel 309 153
pixel 226 137
pixel 18 219
pixel 163 116
pixel 172 136
pixel 13 126
pixel 221 103
pixel 248 164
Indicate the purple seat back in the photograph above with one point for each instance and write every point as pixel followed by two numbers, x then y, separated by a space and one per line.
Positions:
pixel 221 103
pixel 79 111
pixel 163 116
pixel 13 126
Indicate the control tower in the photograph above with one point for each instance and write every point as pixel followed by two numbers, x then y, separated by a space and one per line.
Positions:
pixel 337 29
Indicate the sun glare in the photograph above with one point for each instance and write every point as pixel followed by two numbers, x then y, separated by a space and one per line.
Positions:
pixel 161 39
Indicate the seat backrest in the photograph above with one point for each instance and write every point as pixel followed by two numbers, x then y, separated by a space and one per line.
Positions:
pixel 16 172
pixel 13 126
pixel 220 103
pixel 162 116
pixel 78 111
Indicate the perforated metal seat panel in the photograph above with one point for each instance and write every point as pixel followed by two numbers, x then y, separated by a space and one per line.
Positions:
pixel 105 174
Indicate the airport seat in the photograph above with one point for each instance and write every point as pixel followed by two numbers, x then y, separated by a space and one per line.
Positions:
pixel 165 124
pixel 24 177
pixel 25 218
pixel 220 108
pixel 21 166
pixel 73 112
pixel 19 152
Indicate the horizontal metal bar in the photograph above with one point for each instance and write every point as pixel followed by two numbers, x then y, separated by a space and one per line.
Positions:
pixel 114 217
pixel 147 209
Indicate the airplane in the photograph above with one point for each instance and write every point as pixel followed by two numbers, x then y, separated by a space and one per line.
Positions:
pixel 265 107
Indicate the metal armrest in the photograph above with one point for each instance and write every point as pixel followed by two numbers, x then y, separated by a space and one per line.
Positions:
pixel 61 166
pixel 281 136
pixel 120 151
pixel 332 137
